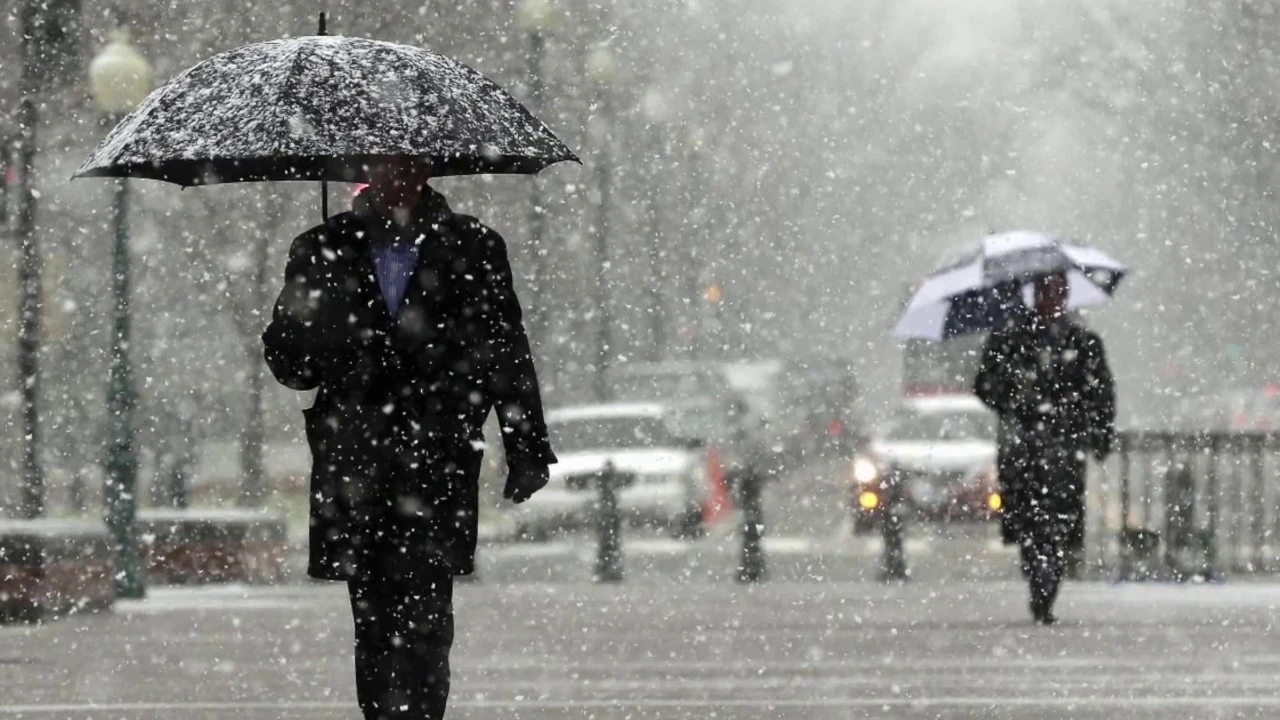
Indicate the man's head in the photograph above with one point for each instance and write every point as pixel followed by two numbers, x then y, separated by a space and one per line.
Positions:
pixel 397 183
pixel 1052 292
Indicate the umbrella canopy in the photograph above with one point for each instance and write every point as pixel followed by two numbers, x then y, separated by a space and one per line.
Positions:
pixel 990 285
pixel 322 108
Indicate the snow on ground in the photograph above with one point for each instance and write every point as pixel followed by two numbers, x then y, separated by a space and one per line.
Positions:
pixel 930 649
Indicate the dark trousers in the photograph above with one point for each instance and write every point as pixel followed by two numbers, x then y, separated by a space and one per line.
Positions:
pixel 1044 563
pixel 1051 506
pixel 403 632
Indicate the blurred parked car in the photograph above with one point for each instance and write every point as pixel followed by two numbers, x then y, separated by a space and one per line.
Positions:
pixel 756 382
pixel 939 453
pixel 814 413
pixel 666 473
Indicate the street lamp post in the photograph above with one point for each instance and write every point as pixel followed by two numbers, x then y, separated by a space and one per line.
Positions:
pixel 695 197
pixel 655 107
pixel 32 501
pixel 535 17
pixel 120 78
pixel 602 69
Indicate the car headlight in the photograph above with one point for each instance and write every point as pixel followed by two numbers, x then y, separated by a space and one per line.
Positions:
pixel 865 470
pixel 868 500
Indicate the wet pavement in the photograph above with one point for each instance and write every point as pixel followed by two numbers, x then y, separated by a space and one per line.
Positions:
pixel 680 639
pixel 535 651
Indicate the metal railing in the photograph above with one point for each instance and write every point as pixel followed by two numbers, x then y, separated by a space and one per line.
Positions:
pixel 1189 504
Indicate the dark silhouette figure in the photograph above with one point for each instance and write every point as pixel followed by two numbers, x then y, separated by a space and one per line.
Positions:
pixel 1047 378
pixel 402 314
pixel 748 464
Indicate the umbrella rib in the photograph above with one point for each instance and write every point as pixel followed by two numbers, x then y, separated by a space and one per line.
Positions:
pixel 294 75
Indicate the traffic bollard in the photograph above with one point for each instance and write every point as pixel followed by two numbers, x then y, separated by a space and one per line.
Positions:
pixel 78 494
pixel 1180 511
pixel 609 557
pixel 1139 554
pixel 894 563
pixel 752 565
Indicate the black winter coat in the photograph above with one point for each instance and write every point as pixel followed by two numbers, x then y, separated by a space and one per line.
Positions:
pixel 1054 393
pixel 395 431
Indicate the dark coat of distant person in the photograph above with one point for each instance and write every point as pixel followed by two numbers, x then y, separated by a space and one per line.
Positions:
pixel 1049 382
pixel 395 431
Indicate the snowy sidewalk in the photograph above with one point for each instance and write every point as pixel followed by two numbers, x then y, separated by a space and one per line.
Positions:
pixel 684 651
pixel 968 553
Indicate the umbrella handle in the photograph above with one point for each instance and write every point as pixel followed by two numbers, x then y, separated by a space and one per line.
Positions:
pixel 324 184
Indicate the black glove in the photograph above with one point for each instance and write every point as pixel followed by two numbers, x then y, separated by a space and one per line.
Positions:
pixel 524 478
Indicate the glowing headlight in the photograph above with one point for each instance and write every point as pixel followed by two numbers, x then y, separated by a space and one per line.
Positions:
pixel 865 470
pixel 868 500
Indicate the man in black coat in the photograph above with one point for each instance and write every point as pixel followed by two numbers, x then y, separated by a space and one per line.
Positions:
pixel 402 314
pixel 1047 378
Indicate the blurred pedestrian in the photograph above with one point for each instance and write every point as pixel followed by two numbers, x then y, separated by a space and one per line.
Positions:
pixel 746 459
pixel 1046 376
pixel 402 313
pixel 745 449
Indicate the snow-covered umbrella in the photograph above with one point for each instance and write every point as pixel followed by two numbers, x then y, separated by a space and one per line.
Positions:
pixel 990 284
pixel 323 108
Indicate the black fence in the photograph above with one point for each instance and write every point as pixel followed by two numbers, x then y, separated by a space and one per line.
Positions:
pixel 1187 505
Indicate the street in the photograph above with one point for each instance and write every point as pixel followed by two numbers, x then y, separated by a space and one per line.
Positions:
pixel 928 649
pixel 960 553
pixel 808 538
pixel 679 638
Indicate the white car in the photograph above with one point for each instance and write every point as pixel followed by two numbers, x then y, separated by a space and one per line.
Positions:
pixel 665 476
pixel 939 452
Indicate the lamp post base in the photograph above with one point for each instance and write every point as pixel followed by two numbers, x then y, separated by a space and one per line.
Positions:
pixel 122 462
